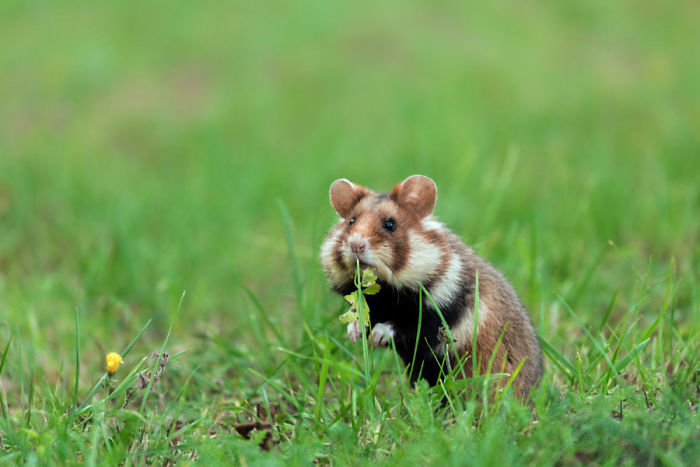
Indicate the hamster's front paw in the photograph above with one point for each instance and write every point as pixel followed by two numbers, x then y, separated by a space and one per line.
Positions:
pixel 354 332
pixel 382 333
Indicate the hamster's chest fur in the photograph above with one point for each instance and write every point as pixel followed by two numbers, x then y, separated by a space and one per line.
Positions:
pixel 411 322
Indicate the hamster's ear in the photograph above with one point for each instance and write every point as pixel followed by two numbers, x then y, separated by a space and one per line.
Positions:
pixel 417 193
pixel 345 195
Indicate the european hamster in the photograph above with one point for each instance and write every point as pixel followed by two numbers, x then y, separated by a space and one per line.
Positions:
pixel 396 234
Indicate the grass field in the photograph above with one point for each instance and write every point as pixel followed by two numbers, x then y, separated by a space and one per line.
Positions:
pixel 151 149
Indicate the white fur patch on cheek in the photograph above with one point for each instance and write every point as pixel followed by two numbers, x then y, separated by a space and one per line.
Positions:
pixel 327 251
pixel 381 258
pixel 422 262
pixel 335 273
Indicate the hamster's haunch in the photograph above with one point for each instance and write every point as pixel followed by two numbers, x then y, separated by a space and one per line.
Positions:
pixel 396 234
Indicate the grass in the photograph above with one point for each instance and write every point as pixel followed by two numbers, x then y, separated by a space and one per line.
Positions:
pixel 152 150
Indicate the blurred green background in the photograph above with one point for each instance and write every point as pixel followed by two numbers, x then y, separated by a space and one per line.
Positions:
pixel 147 148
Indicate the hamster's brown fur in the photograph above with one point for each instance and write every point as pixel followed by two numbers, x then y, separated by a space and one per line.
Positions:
pixel 396 234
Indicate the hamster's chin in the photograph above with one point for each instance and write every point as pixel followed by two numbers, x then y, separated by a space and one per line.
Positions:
pixel 351 262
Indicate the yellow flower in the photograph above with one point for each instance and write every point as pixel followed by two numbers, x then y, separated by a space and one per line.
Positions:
pixel 113 362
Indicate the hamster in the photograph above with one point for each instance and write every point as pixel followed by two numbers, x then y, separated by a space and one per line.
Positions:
pixel 396 234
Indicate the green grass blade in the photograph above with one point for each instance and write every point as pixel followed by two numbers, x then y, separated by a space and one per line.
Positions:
pixel 490 365
pixel 608 310
pixel 363 325
pixel 324 361
pixel 595 342
pixel 583 284
pixel 322 376
pixel 136 338
pixel 257 306
pixel 30 401
pixel 2 366
pixel 420 323
pixel 280 390
pixel 628 358
pixel 557 358
pixel 147 391
pixel 514 375
pixel 293 266
pixel 77 357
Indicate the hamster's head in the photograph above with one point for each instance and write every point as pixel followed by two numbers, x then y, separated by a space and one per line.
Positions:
pixel 390 232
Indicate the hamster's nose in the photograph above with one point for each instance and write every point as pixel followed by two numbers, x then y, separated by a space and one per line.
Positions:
pixel 358 245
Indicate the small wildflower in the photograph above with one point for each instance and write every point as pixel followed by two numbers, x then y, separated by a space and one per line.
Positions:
pixel 113 362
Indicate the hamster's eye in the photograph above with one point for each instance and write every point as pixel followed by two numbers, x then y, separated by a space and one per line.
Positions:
pixel 352 220
pixel 389 225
